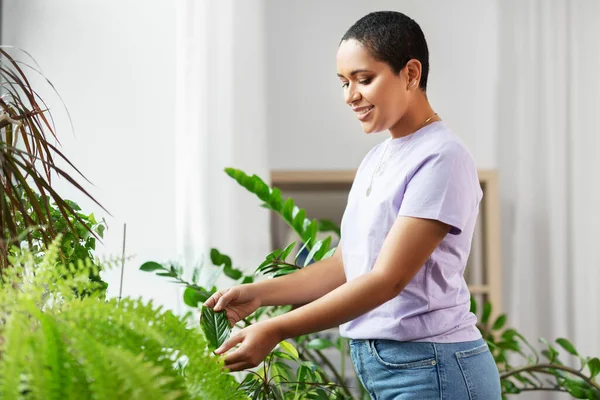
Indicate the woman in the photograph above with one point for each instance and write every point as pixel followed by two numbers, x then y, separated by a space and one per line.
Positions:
pixel 395 284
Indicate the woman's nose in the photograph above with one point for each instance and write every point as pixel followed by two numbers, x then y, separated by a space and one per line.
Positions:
pixel 352 95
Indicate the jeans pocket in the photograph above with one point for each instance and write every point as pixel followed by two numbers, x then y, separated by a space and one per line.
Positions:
pixel 480 373
pixel 403 355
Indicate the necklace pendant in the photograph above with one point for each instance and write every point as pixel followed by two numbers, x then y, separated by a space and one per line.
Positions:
pixel 368 191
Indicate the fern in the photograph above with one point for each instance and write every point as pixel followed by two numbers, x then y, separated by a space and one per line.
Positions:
pixel 55 345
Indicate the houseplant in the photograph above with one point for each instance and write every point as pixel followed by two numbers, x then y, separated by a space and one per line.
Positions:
pixel 506 344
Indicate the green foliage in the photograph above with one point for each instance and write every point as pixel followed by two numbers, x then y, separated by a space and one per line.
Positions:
pixel 78 232
pixel 506 344
pixel 315 377
pixel 28 160
pixel 59 346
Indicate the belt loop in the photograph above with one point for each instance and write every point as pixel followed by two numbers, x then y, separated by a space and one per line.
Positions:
pixel 370 345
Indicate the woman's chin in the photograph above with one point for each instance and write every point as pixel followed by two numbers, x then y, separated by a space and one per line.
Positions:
pixel 370 128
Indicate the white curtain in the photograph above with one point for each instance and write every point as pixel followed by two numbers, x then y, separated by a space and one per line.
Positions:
pixel 220 122
pixel 548 141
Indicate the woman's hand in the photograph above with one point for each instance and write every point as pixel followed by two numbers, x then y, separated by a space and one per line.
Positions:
pixel 256 342
pixel 238 302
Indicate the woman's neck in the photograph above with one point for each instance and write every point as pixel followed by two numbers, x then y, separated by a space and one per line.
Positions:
pixel 420 114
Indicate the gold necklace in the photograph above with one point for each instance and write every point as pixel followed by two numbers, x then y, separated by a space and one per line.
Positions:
pixel 380 164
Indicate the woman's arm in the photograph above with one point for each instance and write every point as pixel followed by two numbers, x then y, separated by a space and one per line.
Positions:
pixel 303 286
pixel 406 248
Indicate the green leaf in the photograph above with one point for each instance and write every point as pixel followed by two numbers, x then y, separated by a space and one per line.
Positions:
pixel 300 251
pixel 100 230
pixel 330 253
pixel 326 225
pixel 215 326
pixel 289 349
pixel 324 249
pixel 500 321
pixel 299 220
pixel 319 344
pixel 192 296
pixel 594 366
pixel 151 266
pixel 275 200
pixel 286 252
pixel 568 346
pixel 576 388
pixel 487 311
pixel 473 305
pixel 232 273
pixel 247 279
pixel 288 208
pixel 312 252
pixel 219 259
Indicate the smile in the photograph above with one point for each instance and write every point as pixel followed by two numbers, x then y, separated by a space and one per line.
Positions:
pixel 363 113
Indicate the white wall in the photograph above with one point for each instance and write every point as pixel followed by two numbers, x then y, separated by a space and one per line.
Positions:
pixel 113 64
pixel 309 125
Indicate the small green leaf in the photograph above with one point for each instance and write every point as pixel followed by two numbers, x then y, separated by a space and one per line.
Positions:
pixel 500 321
pixel 473 305
pixel 487 311
pixel 100 230
pixel 568 346
pixel 286 252
pixel 288 208
pixel 192 296
pixel 326 225
pixel 151 266
pixel 319 344
pixel 247 279
pixel 312 253
pixel 300 251
pixel 299 220
pixel 215 326
pixel 290 349
pixel 232 273
pixel 275 200
pixel 324 249
pixel 594 366
pixel 330 253
pixel 576 388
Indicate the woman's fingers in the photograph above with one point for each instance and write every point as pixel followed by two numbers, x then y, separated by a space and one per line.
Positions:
pixel 229 343
pixel 236 367
pixel 212 300
pixel 224 300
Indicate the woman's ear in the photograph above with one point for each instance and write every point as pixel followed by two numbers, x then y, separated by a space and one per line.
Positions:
pixel 413 72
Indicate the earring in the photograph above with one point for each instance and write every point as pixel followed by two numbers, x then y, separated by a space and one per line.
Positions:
pixel 413 84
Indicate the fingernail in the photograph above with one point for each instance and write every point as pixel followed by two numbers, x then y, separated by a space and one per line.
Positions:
pixel 218 351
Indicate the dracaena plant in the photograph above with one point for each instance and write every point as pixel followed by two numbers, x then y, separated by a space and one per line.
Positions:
pixel 317 376
pixel 29 159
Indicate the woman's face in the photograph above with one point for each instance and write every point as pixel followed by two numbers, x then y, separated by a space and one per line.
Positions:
pixel 378 97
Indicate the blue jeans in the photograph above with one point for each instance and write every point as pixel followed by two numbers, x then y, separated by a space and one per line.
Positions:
pixel 392 370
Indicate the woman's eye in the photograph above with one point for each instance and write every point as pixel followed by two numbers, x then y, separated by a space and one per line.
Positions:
pixel 344 84
pixel 365 81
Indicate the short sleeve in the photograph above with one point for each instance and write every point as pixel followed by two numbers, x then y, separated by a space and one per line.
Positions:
pixel 444 187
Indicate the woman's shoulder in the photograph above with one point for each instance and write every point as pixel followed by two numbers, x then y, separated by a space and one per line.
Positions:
pixel 442 142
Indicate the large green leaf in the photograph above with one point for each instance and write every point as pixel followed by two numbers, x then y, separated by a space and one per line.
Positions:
pixel 215 326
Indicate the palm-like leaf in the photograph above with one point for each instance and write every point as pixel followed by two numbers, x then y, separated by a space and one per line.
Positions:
pixel 28 161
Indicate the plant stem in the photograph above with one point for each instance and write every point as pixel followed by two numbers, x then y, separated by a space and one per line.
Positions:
pixel 542 368
pixel 331 367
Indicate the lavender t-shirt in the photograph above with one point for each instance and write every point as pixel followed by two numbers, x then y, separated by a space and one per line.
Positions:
pixel 429 175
